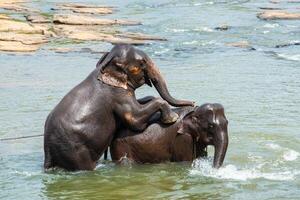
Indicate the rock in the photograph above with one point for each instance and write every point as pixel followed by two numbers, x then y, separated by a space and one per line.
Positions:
pixel 18 27
pixel 86 20
pixel 13 1
pixel 37 18
pixel 47 29
pixel 16 7
pixel 79 5
pixel 85 33
pixel 101 11
pixel 273 15
pixel 223 27
pixel 140 36
pixel 23 38
pixel 96 36
pixel 15 46
pixel 270 8
pixel 3 16
pixel 241 44
pixel 289 44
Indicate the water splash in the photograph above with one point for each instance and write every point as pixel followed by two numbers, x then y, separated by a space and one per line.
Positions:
pixel 287 154
pixel 204 168
pixel 295 57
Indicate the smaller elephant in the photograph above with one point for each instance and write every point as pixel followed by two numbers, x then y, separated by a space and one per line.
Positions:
pixel 185 140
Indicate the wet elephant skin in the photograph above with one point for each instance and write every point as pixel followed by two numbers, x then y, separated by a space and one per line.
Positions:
pixel 184 140
pixel 82 125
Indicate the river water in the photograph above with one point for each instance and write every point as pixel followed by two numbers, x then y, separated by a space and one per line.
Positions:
pixel 260 90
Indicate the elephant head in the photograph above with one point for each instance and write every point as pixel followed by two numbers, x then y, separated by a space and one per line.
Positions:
pixel 208 125
pixel 129 68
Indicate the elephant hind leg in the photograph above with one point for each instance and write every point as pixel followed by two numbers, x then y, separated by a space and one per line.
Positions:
pixel 84 160
pixel 76 159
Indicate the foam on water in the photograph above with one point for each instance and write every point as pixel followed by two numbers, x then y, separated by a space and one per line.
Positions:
pixel 295 57
pixel 271 25
pixel 287 154
pixel 290 155
pixel 204 168
pixel 203 29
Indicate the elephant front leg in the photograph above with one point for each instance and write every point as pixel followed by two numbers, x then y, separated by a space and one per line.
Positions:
pixel 136 116
pixel 146 99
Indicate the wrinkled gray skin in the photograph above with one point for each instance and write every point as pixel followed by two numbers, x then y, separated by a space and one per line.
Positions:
pixel 82 125
pixel 184 140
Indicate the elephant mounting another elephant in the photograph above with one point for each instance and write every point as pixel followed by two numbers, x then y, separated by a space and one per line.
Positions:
pixel 184 140
pixel 83 124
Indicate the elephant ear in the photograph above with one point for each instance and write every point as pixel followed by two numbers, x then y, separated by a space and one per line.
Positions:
pixel 184 126
pixel 112 70
pixel 101 59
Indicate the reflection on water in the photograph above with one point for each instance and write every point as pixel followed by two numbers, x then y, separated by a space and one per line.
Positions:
pixel 260 91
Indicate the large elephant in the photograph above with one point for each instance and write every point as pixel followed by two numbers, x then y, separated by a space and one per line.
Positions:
pixel 184 140
pixel 82 125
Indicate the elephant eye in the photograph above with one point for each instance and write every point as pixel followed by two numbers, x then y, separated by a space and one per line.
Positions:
pixel 135 70
pixel 210 125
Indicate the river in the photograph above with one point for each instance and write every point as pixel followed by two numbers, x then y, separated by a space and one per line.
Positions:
pixel 260 90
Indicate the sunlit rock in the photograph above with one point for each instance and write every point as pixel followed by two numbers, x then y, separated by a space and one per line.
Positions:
pixel 16 46
pixel 4 16
pixel 35 18
pixel 87 20
pixel 81 5
pixel 241 44
pixel 14 6
pixel 23 38
pixel 140 36
pixel 82 8
pixel 18 26
pixel 273 15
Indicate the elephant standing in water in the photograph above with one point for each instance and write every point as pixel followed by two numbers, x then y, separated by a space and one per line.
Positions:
pixel 82 125
pixel 184 140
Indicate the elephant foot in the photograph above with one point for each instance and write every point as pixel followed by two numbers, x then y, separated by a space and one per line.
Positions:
pixel 170 118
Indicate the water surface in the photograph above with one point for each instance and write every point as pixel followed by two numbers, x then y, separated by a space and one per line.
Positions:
pixel 259 89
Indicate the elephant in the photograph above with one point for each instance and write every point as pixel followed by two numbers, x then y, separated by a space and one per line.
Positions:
pixel 82 125
pixel 185 140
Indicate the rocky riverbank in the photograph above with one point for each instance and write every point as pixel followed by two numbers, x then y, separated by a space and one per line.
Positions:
pixel 27 29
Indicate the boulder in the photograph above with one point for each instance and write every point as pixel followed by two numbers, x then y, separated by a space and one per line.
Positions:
pixel 140 36
pixel 18 27
pixel 16 7
pixel 241 44
pixel 294 43
pixel 85 33
pixel 270 8
pixel 27 39
pixel 35 18
pixel 87 20
pixel 4 16
pixel 80 5
pixel 15 46
pixel 273 15
pixel 101 11
pixel 13 1
pixel 223 27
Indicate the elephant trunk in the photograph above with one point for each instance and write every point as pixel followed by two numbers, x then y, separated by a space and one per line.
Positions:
pixel 220 142
pixel 161 86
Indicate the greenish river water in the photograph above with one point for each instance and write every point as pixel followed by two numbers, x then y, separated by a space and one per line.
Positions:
pixel 260 91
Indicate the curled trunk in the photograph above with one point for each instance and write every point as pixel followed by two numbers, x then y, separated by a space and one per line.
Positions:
pixel 161 86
